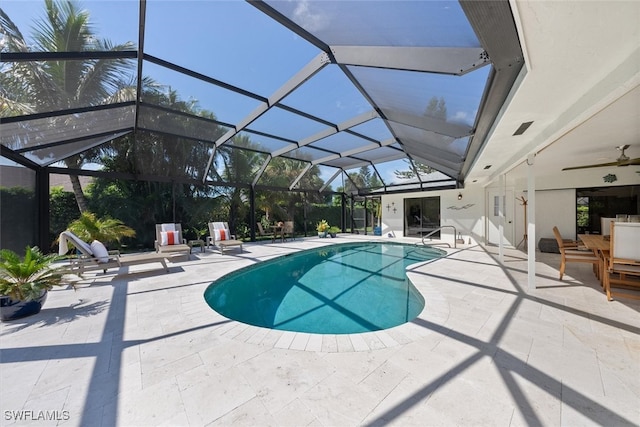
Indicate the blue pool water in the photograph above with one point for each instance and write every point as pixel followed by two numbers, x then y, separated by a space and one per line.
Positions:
pixel 338 289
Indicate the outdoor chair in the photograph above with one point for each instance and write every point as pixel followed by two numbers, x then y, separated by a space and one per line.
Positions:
pixel 570 254
pixel 221 237
pixel 623 263
pixel 287 230
pixel 262 233
pixel 169 239
pixel 96 256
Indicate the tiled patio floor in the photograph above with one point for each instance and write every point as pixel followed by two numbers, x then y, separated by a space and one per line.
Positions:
pixel 144 349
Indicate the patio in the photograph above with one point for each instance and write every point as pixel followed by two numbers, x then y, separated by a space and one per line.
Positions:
pixel 145 349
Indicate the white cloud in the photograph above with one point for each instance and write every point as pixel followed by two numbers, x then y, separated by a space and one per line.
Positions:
pixel 460 116
pixel 307 19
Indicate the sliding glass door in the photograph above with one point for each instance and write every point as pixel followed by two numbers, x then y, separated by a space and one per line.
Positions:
pixel 422 216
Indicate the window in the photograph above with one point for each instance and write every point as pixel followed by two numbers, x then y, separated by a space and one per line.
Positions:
pixel 604 202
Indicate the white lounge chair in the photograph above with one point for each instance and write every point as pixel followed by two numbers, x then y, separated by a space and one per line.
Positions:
pixel 96 256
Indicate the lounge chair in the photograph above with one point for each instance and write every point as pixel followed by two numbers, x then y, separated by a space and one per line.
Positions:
pixel 96 256
pixel 169 239
pixel 220 236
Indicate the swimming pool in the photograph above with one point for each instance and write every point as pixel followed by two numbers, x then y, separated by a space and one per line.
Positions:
pixel 337 289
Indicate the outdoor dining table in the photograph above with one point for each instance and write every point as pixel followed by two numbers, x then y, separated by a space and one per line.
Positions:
pixel 600 247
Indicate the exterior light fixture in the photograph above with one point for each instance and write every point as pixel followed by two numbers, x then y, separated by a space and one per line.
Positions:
pixel 459 196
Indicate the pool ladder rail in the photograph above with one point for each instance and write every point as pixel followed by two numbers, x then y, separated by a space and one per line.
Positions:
pixel 455 237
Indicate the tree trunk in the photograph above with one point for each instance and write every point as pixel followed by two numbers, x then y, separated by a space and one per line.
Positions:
pixel 77 191
pixel 74 162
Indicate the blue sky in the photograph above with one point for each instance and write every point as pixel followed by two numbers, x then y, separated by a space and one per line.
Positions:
pixel 234 42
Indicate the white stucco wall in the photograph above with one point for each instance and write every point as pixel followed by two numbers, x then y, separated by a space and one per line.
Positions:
pixel 553 208
pixel 466 215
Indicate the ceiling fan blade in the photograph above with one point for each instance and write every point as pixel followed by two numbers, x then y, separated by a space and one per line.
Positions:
pixel 599 165
pixel 630 162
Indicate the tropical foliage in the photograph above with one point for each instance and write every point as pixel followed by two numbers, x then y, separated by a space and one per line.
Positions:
pixel 107 230
pixel 169 169
pixel 25 278
pixel 32 87
pixel 322 226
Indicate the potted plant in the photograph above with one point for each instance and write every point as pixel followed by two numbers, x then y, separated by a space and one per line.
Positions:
pixel 333 231
pixel 24 282
pixel 322 228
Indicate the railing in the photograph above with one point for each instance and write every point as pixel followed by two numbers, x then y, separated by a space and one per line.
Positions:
pixel 455 236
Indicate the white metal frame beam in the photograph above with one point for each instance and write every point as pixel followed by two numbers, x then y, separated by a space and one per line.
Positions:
pixel 308 71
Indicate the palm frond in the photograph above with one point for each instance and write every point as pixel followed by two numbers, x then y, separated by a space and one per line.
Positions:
pixel 14 41
pixel 25 278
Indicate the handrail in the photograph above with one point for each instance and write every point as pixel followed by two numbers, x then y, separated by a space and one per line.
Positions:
pixel 455 235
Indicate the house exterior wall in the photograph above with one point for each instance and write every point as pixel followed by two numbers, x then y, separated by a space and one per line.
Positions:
pixel 555 205
pixel 466 215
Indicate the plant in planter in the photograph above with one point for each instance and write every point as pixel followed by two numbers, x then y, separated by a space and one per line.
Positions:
pixel 322 228
pixel 333 231
pixel 24 282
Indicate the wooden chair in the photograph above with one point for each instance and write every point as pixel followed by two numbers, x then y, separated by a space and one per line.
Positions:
pixel 263 233
pixel 220 236
pixel 623 264
pixel 287 230
pixel 569 254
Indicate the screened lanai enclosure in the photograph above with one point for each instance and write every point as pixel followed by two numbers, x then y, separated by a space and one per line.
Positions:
pixel 246 112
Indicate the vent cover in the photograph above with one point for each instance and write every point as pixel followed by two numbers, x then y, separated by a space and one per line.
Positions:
pixel 523 127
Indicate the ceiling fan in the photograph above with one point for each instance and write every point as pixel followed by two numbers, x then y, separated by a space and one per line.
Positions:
pixel 622 160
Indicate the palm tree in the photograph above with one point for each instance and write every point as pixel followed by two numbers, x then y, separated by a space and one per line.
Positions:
pixel 237 165
pixel 107 230
pixel 33 86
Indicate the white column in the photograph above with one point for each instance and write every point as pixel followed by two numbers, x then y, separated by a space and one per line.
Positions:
pixel 531 222
pixel 501 207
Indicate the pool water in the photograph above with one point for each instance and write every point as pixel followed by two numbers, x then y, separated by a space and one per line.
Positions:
pixel 337 289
